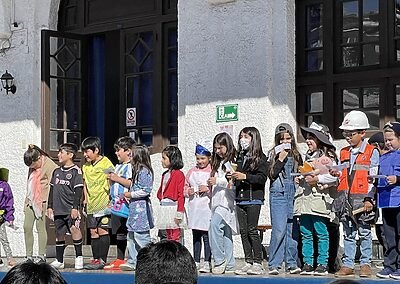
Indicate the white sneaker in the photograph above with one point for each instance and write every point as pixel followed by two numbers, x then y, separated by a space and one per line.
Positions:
pixel 57 264
pixel 256 269
pixel 197 265
pixel 219 269
pixel 243 270
pixel 127 267
pixel 79 263
pixel 230 270
pixel 206 267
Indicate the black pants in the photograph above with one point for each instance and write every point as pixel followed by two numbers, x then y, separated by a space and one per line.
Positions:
pixel 334 238
pixel 248 220
pixel 197 236
pixel 381 236
pixel 391 230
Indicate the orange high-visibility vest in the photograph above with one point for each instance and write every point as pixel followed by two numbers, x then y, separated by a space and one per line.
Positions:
pixel 360 168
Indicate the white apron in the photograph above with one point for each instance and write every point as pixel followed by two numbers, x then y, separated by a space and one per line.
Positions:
pixel 199 211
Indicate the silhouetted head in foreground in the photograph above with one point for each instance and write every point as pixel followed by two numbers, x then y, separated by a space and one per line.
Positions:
pixel 165 262
pixel 29 272
pixel 345 281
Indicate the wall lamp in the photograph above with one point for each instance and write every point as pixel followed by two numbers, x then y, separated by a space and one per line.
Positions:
pixel 7 80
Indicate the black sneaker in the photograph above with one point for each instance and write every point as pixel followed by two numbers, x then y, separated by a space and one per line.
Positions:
pixel 321 270
pixel 95 264
pixel 307 270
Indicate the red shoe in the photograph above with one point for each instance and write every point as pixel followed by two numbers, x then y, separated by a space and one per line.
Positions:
pixel 114 265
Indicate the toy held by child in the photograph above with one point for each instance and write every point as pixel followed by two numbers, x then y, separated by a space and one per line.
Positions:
pixel 313 199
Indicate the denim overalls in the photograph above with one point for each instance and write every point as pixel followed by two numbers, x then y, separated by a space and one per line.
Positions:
pixel 281 198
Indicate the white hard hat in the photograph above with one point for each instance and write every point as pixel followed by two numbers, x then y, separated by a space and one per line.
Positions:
pixel 355 120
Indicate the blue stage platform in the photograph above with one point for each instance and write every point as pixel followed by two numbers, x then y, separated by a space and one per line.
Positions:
pixel 125 278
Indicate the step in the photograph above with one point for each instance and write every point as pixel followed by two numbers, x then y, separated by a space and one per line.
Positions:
pixel 86 251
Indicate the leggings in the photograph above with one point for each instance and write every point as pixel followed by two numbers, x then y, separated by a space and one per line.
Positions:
pixel 4 240
pixel 28 232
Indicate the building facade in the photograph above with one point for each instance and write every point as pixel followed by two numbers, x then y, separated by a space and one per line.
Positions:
pixel 173 72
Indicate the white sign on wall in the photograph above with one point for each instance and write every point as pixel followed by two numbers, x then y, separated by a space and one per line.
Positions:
pixel 131 117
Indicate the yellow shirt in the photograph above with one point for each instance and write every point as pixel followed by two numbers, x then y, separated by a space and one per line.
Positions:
pixel 97 186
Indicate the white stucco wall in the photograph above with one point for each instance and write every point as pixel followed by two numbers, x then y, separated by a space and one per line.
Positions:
pixel 242 53
pixel 20 112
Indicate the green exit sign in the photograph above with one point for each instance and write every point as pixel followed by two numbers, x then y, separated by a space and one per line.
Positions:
pixel 227 113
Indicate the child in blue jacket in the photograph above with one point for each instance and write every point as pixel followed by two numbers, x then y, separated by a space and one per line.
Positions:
pixel 389 200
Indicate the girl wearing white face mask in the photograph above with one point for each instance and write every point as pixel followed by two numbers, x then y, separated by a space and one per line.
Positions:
pixel 250 179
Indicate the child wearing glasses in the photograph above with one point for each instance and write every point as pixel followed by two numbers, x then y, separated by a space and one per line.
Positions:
pixel 355 200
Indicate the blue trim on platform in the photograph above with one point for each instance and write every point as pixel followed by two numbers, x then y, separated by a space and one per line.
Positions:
pixel 129 278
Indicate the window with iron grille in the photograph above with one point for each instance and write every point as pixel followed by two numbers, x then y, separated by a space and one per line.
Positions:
pixel 347 58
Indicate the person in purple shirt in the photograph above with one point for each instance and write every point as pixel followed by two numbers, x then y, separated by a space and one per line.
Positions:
pixel 6 218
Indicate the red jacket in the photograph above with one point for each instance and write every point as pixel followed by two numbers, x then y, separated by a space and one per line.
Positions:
pixel 174 189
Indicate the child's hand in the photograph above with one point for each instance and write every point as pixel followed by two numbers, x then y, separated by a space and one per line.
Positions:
pixel 368 206
pixel 127 195
pixel 50 214
pixel 212 181
pixel 177 221
pixel 74 214
pixel 311 179
pixel 282 155
pixel 112 177
pixel 239 175
pixel 391 180
pixel 190 191
pixel 203 188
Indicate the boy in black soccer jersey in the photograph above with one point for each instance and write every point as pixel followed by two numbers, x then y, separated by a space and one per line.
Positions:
pixel 64 202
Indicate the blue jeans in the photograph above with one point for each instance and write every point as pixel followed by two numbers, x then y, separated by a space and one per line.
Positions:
pixel 282 246
pixel 221 243
pixel 136 241
pixel 317 224
pixel 350 229
pixel 198 235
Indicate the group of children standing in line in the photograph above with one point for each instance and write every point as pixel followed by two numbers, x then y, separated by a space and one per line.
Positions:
pixel 224 193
